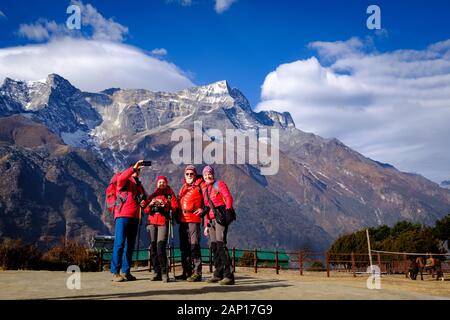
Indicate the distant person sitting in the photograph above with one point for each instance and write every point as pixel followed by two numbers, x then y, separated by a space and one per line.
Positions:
pixel 413 269
pixel 429 265
pixel 438 267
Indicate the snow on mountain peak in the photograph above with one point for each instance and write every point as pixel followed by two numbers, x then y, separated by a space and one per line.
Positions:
pixel 57 82
pixel 219 87
pixel 36 82
pixel 217 93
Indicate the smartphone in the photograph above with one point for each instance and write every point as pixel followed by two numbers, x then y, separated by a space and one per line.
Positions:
pixel 146 163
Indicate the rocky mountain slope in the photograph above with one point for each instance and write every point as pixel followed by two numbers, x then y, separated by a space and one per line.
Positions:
pixel 322 189
pixel 48 191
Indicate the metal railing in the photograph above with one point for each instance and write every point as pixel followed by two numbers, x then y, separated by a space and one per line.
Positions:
pixel 303 261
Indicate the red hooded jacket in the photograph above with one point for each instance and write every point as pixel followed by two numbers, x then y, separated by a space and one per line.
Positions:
pixel 222 197
pixel 168 198
pixel 191 199
pixel 128 188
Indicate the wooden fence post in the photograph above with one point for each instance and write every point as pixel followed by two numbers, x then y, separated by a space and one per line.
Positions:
pixel 353 265
pixel 255 259
pixel 101 260
pixel 300 261
pixel 379 262
pixel 276 262
pixel 405 265
pixel 328 265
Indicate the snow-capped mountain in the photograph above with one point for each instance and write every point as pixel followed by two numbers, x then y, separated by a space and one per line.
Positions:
pixel 323 188
pixel 54 102
pixel 445 184
pixel 112 120
pixel 77 116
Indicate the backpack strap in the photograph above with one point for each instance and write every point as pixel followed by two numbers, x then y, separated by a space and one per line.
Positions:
pixel 211 205
pixel 216 187
pixel 201 194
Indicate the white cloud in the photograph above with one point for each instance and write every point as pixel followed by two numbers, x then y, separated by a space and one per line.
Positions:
pixel 159 52
pixel 103 29
pixel 220 6
pixel 42 30
pixel 93 26
pixel 184 3
pixel 223 5
pixel 92 65
pixel 338 49
pixel 393 107
pixel 93 59
pixel 2 15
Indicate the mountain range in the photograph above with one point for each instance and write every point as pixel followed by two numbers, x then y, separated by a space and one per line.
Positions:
pixel 59 146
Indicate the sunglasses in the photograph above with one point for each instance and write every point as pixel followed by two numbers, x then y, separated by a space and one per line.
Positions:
pixel 188 174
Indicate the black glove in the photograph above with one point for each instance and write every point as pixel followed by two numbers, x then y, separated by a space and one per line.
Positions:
pixel 177 215
pixel 205 211
pixel 231 214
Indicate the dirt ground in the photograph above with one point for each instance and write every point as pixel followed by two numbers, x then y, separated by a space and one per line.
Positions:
pixel 264 285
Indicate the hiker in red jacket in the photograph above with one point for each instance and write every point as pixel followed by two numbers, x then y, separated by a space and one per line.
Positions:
pixel 191 205
pixel 161 203
pixel 218 199
pixel 126 217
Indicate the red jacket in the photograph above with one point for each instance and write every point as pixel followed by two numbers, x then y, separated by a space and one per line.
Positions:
pixel 191 199
pixel 128 188
pixel 157 218
pixel 220 197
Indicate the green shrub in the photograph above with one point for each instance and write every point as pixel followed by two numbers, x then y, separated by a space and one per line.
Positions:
pixel 316 266
pixel 247 259
pixel 70 253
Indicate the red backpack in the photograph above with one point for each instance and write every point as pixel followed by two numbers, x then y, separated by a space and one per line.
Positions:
pixel 114 199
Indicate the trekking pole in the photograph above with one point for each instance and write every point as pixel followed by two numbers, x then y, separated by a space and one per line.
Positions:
pixel 170 235
pixel 172 255
pixel 173 248
pixel 169 260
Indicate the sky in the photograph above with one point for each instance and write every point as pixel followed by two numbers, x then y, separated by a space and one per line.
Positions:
pixel 384 93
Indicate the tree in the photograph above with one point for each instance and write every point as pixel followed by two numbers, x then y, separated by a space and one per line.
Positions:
pixel 403 226
pixel 442 229
pixel 404 236
pixel 379 234
pixel 413 240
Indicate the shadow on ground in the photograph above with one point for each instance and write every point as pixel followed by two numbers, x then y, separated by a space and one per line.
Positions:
pixel 242 285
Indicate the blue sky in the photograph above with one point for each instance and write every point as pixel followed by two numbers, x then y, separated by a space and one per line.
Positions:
pixel 271 51
pixel 251 38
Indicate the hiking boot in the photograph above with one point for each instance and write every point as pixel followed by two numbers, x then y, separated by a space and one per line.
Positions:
pixel 165 278
pixel 181 277
pixel 117 278
pixel 226 281
pixel 128 277
pixel 156 277
pixel 214 279
pixel 195 278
